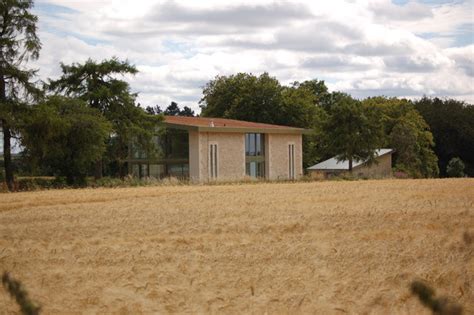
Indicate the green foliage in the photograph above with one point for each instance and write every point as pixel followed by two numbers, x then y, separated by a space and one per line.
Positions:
pixel 452 125
pixel 405 131
pixel 18 44
pixel 153 110
pixel 318 88
pixel 65 135
pixel 19 293
pixel 97 85
pixel 171 110
pixel 245 97
pixel 438 306
pixel 351 131
pixel 455 168
pixel 186 111
pixel 39 183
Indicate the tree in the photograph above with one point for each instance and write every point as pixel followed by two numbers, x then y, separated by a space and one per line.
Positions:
pixel 153 110
pixel 322 97
pixel 455 168
pixel 245 97
pixel 186 111
pixel 66 136
pixel 452 124
pixel 172 110
pixel 18 44
pixel 97 85
pixel 407 132
pixel 352 132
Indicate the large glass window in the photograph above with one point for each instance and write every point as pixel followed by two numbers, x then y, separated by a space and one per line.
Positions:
pixel 255 154
pixel 175 144
pixel 157 170
pixel 254 144
pixel 255 169
pixel 171 144
pixel 171 157
pixel 178 170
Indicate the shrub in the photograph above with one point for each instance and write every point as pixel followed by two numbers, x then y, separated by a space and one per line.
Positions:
pixel 109 182
pixel 455 168
pixel 36 183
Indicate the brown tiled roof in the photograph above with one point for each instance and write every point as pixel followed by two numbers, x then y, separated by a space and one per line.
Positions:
pixel 221 123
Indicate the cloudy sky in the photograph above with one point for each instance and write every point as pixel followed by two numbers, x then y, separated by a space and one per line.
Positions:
pixel 366 48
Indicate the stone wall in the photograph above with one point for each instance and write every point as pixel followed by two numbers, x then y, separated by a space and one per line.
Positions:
pixel 381 169
pixel 230 155
pixel 194 156
pixel 278 157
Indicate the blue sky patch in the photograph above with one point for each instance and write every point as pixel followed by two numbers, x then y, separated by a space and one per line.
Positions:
pixel 53 9
pixel 434 2
pixel 175 46
pixel 464 35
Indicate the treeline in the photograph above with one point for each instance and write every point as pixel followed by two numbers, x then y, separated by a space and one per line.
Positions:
pixel 426 134
pixel 83 123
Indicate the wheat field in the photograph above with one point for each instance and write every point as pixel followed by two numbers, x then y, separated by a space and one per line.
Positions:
pixel 321 248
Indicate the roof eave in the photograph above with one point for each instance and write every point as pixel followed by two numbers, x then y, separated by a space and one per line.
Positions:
pixel 251 130
pixel 283 130
pixel 327 169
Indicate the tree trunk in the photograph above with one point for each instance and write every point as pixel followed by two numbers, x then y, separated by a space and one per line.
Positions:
pixel 7 156
pixel 350 164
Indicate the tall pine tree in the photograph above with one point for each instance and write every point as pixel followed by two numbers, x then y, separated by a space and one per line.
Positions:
pixel 18 44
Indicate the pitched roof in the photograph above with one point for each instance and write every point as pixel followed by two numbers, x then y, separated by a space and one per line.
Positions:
pixel 334 164
pixel 209 124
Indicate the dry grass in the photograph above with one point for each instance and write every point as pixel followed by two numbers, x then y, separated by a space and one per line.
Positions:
pixel 327 248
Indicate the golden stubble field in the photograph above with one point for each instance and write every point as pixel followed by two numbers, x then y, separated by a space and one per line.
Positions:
pixel 321 248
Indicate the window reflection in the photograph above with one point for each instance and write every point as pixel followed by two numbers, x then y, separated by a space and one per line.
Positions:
pixel 254 144
pixel 255 154
pixel 171 158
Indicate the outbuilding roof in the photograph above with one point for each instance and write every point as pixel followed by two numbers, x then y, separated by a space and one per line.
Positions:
pixel 334 164
pixel 207 124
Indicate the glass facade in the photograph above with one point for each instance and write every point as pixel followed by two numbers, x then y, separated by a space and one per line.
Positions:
pixel 170 159
pixel 255 155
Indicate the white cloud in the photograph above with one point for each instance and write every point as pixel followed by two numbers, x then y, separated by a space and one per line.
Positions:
pixel 361 47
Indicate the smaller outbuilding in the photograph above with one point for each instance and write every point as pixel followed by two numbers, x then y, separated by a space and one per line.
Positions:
pixel 382 167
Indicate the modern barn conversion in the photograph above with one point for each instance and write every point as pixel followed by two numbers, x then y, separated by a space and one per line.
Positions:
pixel 333 167
pixel 204 149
